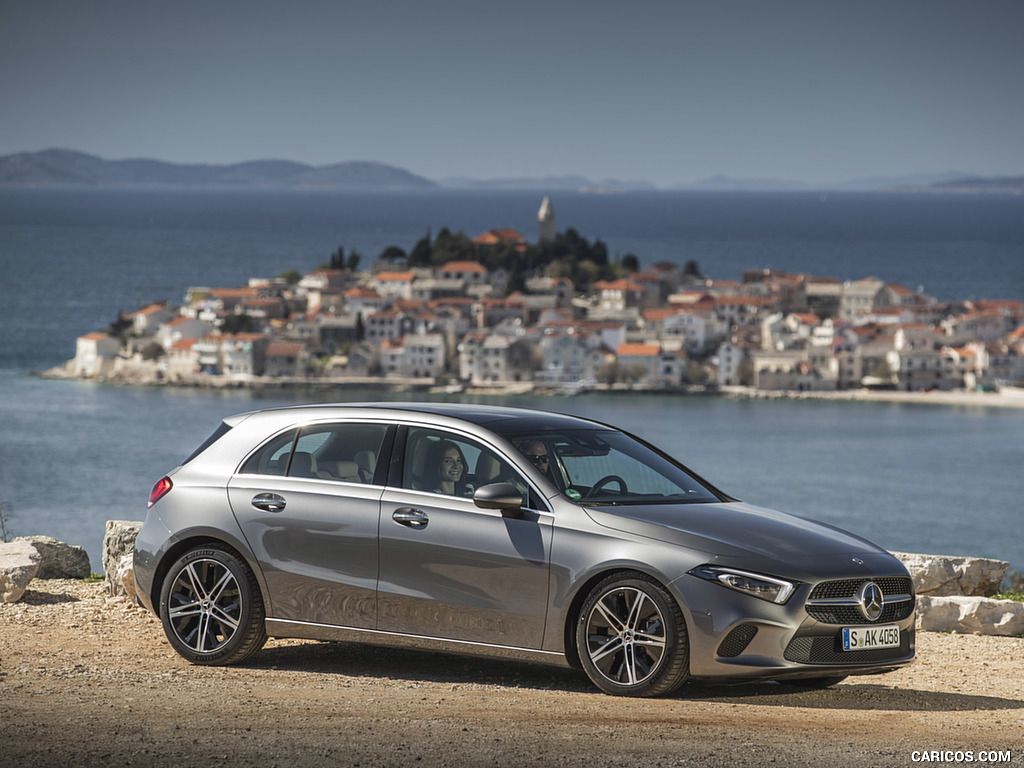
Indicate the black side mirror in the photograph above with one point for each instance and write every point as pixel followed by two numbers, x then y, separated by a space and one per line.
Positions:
pixel 504 497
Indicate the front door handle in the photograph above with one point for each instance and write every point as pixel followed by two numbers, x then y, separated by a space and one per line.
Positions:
pixel 410 517
pixel 269 502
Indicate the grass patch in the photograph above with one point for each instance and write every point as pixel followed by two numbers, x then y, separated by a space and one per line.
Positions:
pixel 1018 596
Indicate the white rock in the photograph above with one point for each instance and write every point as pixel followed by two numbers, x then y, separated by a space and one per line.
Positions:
pixel 124 579
pixel 19 563
pixel 970 615
pixel 946 576
pixel 118 541
pixel 59 560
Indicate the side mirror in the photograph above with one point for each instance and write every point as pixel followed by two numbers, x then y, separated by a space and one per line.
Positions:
pixel 504 497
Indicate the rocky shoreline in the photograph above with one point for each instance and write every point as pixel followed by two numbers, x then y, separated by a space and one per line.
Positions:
pixel 1005 397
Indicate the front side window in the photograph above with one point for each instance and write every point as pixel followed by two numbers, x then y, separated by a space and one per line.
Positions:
pixel 609 467
pixel 452 465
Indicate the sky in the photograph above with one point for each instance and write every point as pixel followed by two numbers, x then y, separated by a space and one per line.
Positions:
pixel 669 91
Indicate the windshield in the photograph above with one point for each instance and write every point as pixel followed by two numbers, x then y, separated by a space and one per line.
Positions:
pixel 602 467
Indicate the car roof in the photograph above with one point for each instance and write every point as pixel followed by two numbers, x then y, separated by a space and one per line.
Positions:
pixel 498 418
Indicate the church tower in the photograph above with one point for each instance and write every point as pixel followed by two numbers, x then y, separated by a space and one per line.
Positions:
pixel 546 229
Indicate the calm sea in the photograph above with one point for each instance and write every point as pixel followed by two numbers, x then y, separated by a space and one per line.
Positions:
pixel 923 478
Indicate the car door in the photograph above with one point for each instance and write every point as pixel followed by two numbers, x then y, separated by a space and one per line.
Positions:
pixel 450 569
pixel 308 503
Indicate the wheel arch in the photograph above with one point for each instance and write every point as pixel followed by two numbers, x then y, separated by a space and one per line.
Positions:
pixel 582 592
pixel 179 548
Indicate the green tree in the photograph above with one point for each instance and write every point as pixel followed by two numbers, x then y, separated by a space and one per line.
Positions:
pixel 393 254
pixel 291 276
pixel 692 269
pixel 238 324
pixel 352 262
pixel 420 255
pixel 449 246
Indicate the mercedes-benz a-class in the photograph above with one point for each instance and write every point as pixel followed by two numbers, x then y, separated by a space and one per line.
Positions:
pixel 501 531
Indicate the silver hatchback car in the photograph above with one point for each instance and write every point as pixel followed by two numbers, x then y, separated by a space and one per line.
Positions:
pixel 505 532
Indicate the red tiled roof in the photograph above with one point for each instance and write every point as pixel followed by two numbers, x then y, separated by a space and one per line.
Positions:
pixel 495 236
pixel 463 266
pixel 638 350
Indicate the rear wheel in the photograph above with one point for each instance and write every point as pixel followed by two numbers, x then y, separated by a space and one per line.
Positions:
pixel 211 607
pixel 631 637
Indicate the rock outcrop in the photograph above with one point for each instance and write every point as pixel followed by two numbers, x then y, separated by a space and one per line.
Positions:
pixel 970 615
pixel 118 542
pixel 948 576
pixel 19 564
pixel 59 560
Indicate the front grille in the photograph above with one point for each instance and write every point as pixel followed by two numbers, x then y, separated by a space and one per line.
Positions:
pixel 847 589
pixel 736 642
pixel 890 585
pixel 828 650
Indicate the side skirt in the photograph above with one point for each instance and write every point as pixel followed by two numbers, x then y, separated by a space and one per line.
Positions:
pixel 310 631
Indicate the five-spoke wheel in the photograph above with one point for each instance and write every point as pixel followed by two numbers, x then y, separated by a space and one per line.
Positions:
pixel 631 637
pixel 211 608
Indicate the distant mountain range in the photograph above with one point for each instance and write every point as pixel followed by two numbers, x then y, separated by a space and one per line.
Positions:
pixel 66 168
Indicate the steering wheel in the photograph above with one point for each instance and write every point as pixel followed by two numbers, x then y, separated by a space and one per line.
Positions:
pixel 600 484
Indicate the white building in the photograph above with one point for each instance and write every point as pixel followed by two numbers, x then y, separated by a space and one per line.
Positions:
pixel 95 354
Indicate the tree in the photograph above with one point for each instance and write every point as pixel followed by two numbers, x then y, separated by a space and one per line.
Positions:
pixel 392 254
pixel 5 528
pixel 338 258
pixel 352 262
pixel 291 276
pixel 631 263
pixel 238 324
pixel 692 269
pixel 153 351
pixel 420 254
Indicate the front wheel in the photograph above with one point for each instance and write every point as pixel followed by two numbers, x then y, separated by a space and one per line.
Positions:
pixel 211 607
pixel 631 637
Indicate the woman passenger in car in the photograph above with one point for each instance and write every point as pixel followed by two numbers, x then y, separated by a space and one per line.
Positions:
pixel 449 467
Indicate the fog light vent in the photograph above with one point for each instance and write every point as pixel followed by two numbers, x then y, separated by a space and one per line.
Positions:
pixel 736 642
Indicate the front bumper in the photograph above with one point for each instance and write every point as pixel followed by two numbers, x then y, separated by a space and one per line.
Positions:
pixel 736 636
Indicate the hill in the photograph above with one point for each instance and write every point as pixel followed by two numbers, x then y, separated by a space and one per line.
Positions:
pixel 983 185
pixel 65 168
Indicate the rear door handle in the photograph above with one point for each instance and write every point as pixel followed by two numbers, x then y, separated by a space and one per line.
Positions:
pixel 410 517
pixel 269 502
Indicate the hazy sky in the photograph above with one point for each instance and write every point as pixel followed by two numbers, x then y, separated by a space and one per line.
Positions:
pixel 671 91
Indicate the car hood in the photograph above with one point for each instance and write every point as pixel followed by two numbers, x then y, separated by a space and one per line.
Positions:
pixel 737 532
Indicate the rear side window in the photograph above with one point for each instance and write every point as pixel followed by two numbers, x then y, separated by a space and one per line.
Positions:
pixel 272 458
pixel 218 433
pixel 339 452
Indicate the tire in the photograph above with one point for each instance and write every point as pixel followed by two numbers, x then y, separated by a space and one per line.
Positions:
pixel 631 637
pixel 211 607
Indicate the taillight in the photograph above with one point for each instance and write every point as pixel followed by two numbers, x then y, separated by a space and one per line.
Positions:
pixel 160 490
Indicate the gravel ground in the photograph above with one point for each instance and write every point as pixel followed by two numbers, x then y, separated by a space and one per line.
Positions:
pixel 87 680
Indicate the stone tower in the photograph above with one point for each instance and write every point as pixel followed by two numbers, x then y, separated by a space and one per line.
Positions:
pixel 546 229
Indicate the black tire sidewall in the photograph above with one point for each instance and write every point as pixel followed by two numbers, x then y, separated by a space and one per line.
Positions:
pixel 673 667
pixel 250 619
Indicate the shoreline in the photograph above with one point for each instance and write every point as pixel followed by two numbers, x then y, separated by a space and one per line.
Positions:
pixel 1005 397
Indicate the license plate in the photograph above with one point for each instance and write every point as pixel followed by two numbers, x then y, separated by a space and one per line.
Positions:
pixel 869 638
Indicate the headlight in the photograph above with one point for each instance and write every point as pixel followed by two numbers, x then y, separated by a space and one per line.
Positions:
pixel 758 585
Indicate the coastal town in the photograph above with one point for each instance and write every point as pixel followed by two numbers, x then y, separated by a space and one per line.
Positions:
pixel 488 314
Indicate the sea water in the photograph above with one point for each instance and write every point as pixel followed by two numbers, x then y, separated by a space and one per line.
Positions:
pixel 941 479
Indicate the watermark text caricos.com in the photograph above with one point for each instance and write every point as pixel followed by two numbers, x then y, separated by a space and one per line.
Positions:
pixel 960 756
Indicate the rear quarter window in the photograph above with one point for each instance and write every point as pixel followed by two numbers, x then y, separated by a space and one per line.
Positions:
pixel 218 433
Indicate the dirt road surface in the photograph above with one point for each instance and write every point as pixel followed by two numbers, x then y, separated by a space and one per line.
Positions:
pixel 87 680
